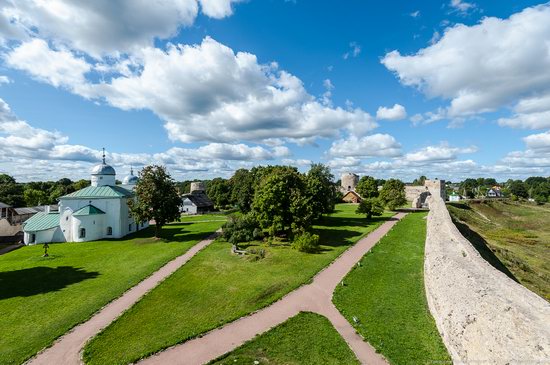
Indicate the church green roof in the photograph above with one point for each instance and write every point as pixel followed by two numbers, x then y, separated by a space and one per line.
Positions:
pixel 88 210
pixel 41 221
pixel 100 192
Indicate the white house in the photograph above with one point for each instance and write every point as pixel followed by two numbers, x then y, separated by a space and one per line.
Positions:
pixel 96 212
pixel 454 197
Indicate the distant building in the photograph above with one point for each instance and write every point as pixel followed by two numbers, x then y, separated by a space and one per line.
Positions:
pixel 352 197
pixel 96 212
pixel 196 202
pixel 454 197
pixel 494 192
pixel 12 220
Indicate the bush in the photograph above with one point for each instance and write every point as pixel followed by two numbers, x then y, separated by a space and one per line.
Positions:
pixel 243 228
pixel 370 207
pixel 306 242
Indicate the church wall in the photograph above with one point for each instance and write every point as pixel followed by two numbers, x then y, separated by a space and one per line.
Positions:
pixel 93 224
pixel 48 235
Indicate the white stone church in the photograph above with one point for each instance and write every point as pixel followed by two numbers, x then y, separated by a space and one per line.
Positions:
pixel 96 212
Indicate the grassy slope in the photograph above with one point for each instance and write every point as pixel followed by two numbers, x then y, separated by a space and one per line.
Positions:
pixel 216 287
pixel 386 294
pixel 42 298
pixel 517 233
pixel 307 338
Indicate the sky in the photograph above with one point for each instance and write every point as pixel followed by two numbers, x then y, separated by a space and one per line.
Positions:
pixel 452 89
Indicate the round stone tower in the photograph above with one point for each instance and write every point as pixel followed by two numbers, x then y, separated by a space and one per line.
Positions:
pixel 349 181
pixel 197 187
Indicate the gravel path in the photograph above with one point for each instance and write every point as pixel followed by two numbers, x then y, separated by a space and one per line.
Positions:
pixel 66 350
pixel 315 297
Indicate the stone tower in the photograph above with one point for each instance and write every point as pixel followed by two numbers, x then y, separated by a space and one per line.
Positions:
pixel 349 181
pixel 436 187
pixel 197 187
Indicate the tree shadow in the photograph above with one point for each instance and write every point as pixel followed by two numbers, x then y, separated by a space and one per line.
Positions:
pixel 480 244
pixel 40 280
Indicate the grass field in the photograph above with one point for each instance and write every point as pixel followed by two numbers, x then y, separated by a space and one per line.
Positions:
pixel 386 295
pixel 307 338
pixel 514 237
pixel 42 298
pixel 216 287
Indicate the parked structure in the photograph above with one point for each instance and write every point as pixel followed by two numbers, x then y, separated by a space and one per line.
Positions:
pixel 95 212
pixel 352 197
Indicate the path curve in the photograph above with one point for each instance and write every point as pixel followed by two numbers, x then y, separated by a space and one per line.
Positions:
pixel 66 350
pixel 315 297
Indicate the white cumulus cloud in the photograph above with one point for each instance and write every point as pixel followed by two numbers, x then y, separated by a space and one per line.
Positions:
pixel 396 112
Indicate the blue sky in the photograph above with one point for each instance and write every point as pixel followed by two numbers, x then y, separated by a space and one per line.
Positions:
pixel 452 89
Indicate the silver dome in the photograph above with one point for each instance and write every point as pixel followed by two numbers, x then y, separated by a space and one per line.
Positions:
pixel 130 180
pixel 103 169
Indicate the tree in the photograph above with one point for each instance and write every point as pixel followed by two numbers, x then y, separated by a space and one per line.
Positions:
pixel 370 207
pixel 11 192
pixel 219 191
pixel 367 187
pixel 321 188
pixel 157 198
pixel 392 194
pixel 35 197
pixel 281 202
pixel 420 180
pixel 517 187
pixel 242 189
pixel 243 228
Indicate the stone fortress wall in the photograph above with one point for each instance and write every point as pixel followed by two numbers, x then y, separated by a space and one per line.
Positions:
pixel 484 317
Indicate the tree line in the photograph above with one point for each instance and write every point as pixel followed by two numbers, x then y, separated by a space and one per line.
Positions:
pixel 36 193
pixel 535 187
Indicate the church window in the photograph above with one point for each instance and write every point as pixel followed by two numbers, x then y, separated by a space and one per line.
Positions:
pixel 32 238
pixel 109 231
pixel 82 233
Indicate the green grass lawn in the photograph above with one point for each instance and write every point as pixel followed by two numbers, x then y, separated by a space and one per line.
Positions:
pixel 42 298
pixel 386 295
pixel 216 287
pixel 203 217
pixel 514 237
pixel 306 338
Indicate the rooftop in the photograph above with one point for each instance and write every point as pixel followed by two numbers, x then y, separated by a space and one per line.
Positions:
pixel 100 192
pixel 41 221
pixel 88 210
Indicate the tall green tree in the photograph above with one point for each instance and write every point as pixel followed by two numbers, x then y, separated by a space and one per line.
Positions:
pixel 34 197
pixel 242 189
pixel 321 189
pixel 518 188
pixel 219 191
pixel 11 192
pixel 281 202
pixel 392 194
pixel 157 198
pixel 367 187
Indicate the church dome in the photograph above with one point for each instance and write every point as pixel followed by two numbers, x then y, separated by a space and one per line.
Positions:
pixel 130 179
pixel 103 169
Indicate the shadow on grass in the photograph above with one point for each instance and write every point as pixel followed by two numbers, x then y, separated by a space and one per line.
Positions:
pixel 40 280
pixel 482 247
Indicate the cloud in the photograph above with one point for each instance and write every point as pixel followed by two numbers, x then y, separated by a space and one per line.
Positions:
pixel 439 153
pixel 483 67
pixel 22 145
pixel 376 145
pixel 4 80
pixel 103 27
pixel 396 112
pixel 58 68
pixel 203 92
pixel 538 142
pixel 461 6
pixel 355 50
pixel 415 14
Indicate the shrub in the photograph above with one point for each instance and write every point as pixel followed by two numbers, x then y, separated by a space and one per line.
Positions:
pixel 306 242
pixel 243 228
